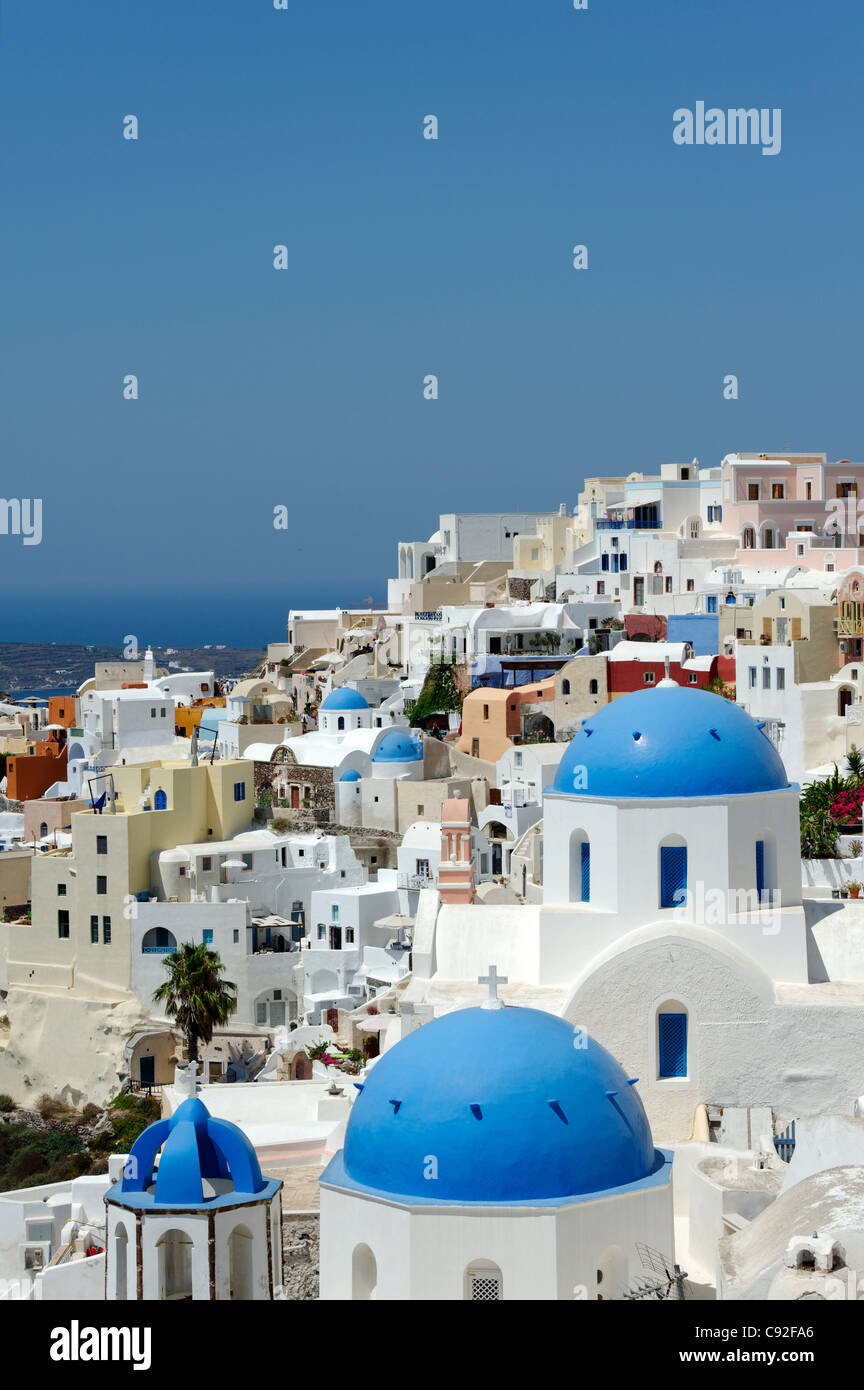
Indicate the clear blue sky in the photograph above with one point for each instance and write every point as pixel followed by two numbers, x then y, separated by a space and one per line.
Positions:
pixel 407 256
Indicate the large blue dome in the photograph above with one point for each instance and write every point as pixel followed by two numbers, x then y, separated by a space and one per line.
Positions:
pixel 508 1106
pixel 398 746
pixel 204 1161
pixel 670 742
pixel 344 698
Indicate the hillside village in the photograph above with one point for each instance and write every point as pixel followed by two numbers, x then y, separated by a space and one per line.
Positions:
pixel 569 829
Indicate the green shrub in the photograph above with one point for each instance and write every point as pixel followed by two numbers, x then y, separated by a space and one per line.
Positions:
pixel 7 1105
pixel 90 1114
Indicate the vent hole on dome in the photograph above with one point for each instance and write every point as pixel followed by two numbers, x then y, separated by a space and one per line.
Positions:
pixel 636 736
pixel 476 1112
pixel 587 732
pixel 714 734
pixel 555 1105
pixel 395 1104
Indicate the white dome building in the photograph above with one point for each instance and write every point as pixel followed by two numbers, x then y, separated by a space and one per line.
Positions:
pixel 494 1153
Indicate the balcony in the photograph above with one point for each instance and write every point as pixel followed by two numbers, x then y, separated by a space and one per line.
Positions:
pixel 633 524
pixel 849 627
pixel 417 881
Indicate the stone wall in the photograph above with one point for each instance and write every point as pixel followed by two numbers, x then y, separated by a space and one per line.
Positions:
pixel 300 1244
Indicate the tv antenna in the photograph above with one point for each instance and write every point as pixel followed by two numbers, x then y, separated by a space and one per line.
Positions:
pixel 660 1277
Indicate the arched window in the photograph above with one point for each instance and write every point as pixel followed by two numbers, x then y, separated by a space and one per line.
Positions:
pixel 580 867
pixel 364 1274
pixel 158 941
pixel 592 687
pixel 175 1265
pixel 671 1040
pixel 121 1246
pixel 673 871
pixel 340 722
pixel 240 1252
pixel 160 801
pixel 43 830
pixel 483 1282
pixel 565 687
pixel 658 568
pixel 770 539
pixel 748 538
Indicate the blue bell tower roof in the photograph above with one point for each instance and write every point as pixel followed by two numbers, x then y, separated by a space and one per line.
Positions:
pixel 204 1163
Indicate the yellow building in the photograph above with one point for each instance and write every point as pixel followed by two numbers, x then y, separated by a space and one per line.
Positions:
pixel 83 897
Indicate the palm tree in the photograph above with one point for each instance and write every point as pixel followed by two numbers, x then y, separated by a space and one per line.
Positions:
pixel 855 763
pixel 194 995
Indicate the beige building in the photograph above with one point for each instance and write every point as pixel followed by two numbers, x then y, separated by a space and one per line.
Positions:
pixel 83 897
pixel 803 619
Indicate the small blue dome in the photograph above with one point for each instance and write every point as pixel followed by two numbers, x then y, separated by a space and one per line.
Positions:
pixel 510 1106
pixel 344 698
pixel 670 742
pixel 196 1148
pixel 352 775
pixel 398 746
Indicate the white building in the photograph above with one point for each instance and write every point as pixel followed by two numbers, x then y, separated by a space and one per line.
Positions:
pixel 493 1154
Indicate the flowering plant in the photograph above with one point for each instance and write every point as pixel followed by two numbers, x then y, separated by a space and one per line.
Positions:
pixel 846 806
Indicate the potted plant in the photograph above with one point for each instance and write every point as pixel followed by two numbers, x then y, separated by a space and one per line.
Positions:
pixel 854 888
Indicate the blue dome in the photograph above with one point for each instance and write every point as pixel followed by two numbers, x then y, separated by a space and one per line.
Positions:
pixel 344 698
pixel 398 746
pixel 352 775
pixel 196 1148
pixel 672 742
pixel 508 1105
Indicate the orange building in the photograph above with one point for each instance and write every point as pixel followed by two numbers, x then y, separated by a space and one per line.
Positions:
pixel 29 775
pixel 492 719
pixel 61 710
pixel 188 717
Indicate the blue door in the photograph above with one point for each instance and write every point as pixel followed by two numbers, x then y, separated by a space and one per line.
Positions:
pixel 160 801
pixel 672 1044
pixel 673 875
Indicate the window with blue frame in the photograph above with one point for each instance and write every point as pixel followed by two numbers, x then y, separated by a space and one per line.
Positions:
pixel 760 870
pixel 585 852
pixel 672 1045
pixel 239 791
pixel 604 561
pixel 623 562
pixel 673 875
pixel 160 801
pixel 207 936
pixel 711 603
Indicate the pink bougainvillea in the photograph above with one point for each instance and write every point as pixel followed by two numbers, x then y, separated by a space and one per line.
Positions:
pixel 846 807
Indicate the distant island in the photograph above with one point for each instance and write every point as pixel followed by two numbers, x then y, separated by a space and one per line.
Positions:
pixel 60 665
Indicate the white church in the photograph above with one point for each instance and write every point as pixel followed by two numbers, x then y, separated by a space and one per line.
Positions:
pixel 672 926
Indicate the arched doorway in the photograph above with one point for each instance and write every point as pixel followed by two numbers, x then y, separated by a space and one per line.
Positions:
pixel 240 1252
pixel 845 697
pixel 175 1266
pixel 121 1262
pixel 364 1274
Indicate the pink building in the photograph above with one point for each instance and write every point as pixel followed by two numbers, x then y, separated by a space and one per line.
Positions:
pixel 795 509
pixel 456 870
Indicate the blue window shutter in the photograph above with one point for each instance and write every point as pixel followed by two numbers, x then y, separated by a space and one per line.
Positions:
pixel 673 874
pixel 760 869
pixel 586 872
pixel 672 1040
pixel 604 561
pixel 160 801
pixel 623 562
